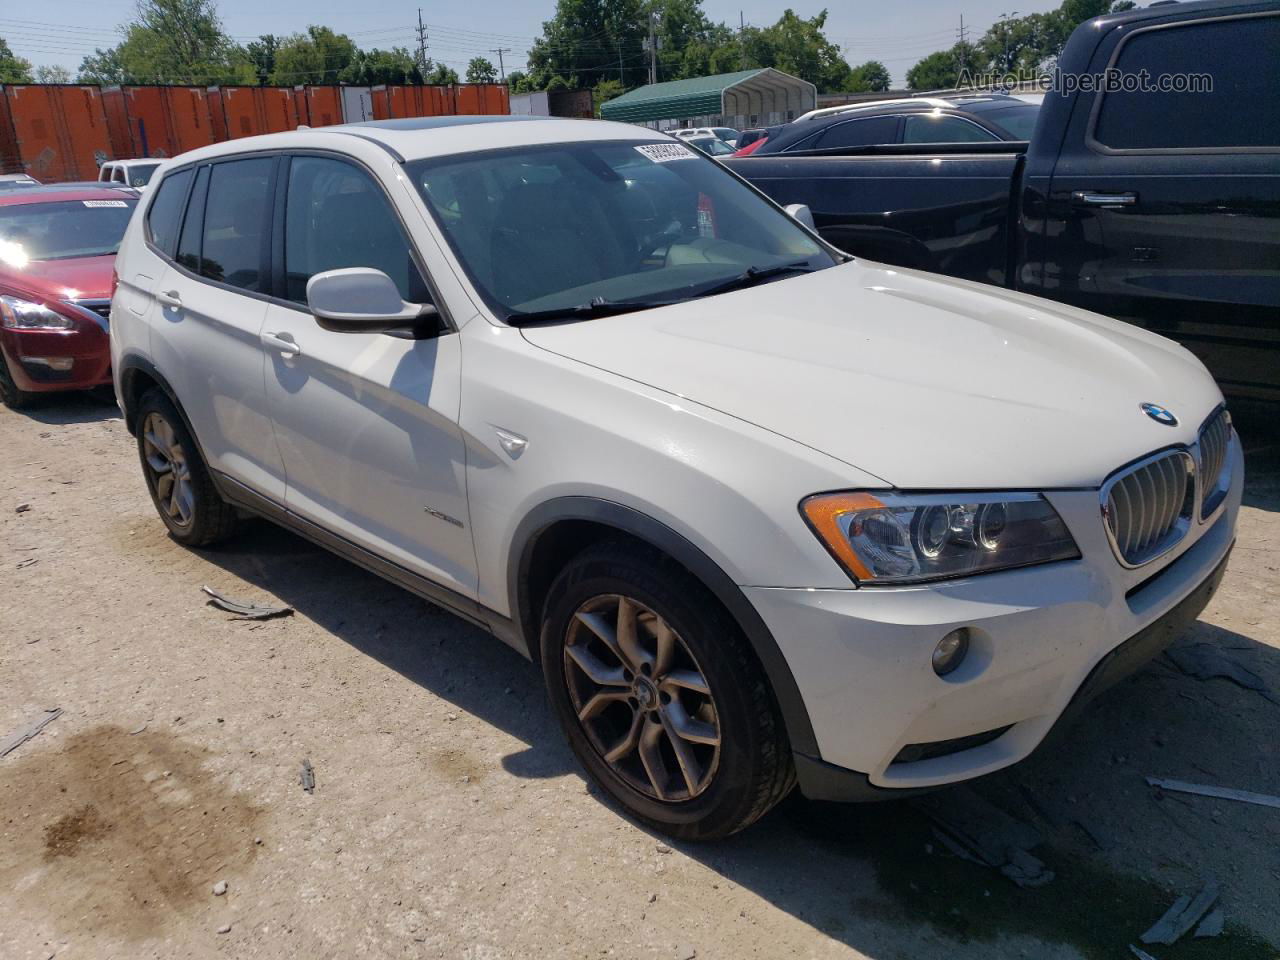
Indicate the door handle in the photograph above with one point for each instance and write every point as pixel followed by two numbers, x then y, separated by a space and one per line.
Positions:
pixel 169 298
pixel 287 347
pixel 1093 198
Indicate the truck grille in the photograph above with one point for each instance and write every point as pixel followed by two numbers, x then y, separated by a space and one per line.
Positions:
pixel 1148 507
pixel 1215 437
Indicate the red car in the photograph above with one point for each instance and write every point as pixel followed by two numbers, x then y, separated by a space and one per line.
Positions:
pixel 57 248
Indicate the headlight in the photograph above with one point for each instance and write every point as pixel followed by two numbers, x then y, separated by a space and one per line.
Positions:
pixel 24 315
pixel 914 538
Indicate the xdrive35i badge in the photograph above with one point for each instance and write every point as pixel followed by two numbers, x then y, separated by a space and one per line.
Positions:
pixel 1159 414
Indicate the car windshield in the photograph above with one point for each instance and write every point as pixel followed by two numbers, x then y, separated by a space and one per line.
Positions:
pixel 712 145
pixel 1018 120
pixel 62 230
pixel 560 226
pixel 139 174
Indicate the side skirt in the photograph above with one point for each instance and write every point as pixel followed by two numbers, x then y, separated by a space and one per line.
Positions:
pixel 249 500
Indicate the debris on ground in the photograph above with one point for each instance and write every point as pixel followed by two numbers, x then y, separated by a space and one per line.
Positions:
pixel 220 888
pixel 138 729
pixel 22 508
pixel 308 777
pixel 29 562
pixel 245 611
pixel 1185 913
pixel 23 734
pixel 1204 661
pixel 1211 926
pixel 1221 793
pixel 225 928
pixel 974 829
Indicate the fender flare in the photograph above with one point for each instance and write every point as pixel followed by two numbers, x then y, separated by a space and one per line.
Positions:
pixel 660 536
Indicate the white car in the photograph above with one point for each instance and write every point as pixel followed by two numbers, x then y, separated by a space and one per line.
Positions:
pixel 762 512
pixel 727 134
pixel 129 173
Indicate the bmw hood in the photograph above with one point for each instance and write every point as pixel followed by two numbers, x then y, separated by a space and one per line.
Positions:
pixel 921 380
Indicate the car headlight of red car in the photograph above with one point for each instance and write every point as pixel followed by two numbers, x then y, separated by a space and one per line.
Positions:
pixel 16 314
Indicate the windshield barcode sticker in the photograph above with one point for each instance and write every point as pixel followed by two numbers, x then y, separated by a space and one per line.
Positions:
pixel 104 203
pixel 666 152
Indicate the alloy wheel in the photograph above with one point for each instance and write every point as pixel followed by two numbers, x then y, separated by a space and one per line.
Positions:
pixel 167 469
pixel 641 698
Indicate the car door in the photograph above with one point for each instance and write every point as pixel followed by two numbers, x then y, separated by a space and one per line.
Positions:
pixel 367 424
pixel 1169 203
pixel 212 302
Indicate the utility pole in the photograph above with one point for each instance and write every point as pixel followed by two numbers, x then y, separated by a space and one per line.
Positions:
pixel 422 43
pixel 500 51
pixel 653 48
pixel 964 39
pixel 742 41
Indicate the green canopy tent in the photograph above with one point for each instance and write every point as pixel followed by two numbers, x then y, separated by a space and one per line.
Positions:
pixel 748 98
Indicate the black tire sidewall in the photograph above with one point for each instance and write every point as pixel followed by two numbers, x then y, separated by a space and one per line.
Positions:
pixel 722 807
pixel 11 395
pixel 200 530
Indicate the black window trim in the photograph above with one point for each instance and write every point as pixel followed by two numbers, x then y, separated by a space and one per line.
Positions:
pixel 818 136
pixel 283 156
pixel 182 211
pixel 1097 146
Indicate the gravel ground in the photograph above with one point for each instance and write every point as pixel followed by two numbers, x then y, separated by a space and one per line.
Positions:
pixel 449 820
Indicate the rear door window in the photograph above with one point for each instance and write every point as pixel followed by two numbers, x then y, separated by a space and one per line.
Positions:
pixel 1238 59
pixel 859 133
pixel 165 213
pixel 193 226
pixel 237 223
pixel 932 128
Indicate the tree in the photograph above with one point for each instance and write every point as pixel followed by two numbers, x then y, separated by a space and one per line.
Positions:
pixel 53 74
pixel 171 41
pixel 262 54
pixel 941 70
pixel 13 69
pixel 317 56
pixel 799 47
pixel 439 75
pixel 604 91
pixel 368 67
pixel 481 70
pixel 586 41
pixel 103 67
pixel 872 75
pixel 518 81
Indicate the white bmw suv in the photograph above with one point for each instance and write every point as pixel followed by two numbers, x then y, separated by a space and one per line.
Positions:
pixel 763 513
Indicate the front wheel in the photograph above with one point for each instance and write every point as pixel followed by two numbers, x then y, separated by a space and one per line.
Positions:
pixel 11 395
pixel 660 695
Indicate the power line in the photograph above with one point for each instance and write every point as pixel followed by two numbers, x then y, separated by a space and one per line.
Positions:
pixel 502 70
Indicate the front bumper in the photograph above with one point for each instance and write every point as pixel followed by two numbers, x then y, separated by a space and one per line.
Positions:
pixel 1045 640
pixel 86 346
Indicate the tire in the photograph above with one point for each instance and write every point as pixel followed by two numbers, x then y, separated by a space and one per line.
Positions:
pixel 690 741
pixel 194 512
pixel 10 395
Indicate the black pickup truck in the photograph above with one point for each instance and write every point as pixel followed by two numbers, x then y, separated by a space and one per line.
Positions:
pixel 1159 207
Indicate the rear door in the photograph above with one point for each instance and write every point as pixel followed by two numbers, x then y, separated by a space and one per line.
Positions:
pixel 212 302
pixel 1168 202
pixel 367 423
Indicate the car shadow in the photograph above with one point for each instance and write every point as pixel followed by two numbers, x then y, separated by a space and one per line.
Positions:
pixel 877 877
pixel 62 409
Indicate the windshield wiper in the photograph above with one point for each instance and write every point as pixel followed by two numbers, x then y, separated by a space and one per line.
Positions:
pixel 596 307
pixel 753 275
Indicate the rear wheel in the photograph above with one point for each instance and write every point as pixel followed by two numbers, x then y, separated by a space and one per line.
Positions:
pixel 660 695
pixel 180 485
pixel 10 395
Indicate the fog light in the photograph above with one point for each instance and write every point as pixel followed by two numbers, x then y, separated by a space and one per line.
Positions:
pixel 61 364
pixel 950 651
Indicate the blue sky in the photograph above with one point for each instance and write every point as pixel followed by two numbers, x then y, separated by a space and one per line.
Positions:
pixel 898 33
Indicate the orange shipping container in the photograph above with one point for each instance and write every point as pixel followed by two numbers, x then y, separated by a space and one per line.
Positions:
pixel 59 130
pixel 278 111
pixel 394 101
pixel 324 106
pixel 153 121
pixel 483 98
pixel 250 111
pixel 10 161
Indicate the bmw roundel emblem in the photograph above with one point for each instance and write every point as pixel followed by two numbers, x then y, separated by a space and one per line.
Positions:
pixel 1159 414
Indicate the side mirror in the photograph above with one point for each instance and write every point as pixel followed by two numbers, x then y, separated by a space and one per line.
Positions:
pixel 802 213
pixel 362 300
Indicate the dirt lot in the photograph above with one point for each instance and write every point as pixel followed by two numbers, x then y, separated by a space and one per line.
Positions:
pixel 449 820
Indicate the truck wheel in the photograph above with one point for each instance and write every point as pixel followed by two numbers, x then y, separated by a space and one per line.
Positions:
pixel 660 695
pixel 10 395
pixel 177 477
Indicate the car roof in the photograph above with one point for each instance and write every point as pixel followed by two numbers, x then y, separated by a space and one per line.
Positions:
pixel 416 138
pixel 55 193
pixel 801 129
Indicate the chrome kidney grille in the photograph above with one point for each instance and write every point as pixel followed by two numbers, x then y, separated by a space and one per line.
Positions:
pixel 1215 439
pixel 1148 507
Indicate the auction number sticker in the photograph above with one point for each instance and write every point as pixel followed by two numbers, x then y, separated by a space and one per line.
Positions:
pixel 666 152
pixel 104 203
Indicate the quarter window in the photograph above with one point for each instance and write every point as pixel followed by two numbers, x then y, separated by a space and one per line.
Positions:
pixel 237 223
pixel 1239 111
pixel 165 213
pixel 336 217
